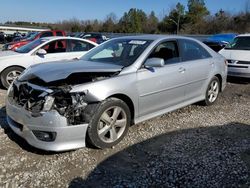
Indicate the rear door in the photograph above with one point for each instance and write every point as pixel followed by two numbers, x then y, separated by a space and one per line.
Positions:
pixel 198 64
pixel 161 87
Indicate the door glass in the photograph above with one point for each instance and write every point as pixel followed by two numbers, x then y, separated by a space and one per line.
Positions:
pixel 191 50
pixel 58 46
pixel 167 51
pixel 79 46
pixel 46 34
pixel 59 33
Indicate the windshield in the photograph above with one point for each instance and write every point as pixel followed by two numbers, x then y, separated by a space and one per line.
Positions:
pixel 30 46
pixel 118 51
pixel 33 36
pixel 239 43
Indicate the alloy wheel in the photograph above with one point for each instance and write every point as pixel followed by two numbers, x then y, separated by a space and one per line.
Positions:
pixel 11 76
pixel 112 124
pixel 213 91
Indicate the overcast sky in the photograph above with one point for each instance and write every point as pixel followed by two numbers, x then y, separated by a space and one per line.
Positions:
pixel 56 10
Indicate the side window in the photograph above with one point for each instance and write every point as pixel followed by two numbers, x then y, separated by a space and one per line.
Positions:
pixel 167 51
pixel 191 50
pixel 78 46
pixel 46 34
pixel 58 46
pixel 59 33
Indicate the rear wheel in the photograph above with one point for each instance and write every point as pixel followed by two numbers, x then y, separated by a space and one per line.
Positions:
pixel 109 124
pixel 9 75
pixel 212 92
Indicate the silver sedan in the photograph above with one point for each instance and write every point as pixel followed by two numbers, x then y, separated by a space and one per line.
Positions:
pixel 62 106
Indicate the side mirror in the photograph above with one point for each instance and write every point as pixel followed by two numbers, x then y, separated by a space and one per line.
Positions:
pixel 41 52
pixel 154 62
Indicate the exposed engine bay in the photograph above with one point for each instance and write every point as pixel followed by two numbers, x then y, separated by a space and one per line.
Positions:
pixel 38 97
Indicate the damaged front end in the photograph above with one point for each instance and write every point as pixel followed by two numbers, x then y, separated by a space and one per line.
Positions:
pixel 77 108
pixel 47 87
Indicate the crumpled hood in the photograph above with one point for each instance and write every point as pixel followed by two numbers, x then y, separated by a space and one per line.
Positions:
pixel 49 72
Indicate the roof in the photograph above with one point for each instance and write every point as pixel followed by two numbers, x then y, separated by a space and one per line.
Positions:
pixel 63 37
pixel 153 37
pixel 244 35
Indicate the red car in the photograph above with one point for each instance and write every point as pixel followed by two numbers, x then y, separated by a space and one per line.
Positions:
pixel 15 45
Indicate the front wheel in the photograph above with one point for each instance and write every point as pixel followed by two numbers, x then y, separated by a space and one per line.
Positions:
pixel 109 124
pixel 212 91
pixel 9 75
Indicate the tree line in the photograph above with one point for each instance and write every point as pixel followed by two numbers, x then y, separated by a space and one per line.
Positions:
pixel 196 19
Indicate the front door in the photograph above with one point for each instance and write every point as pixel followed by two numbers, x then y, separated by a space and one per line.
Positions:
pixel 56 51
pixel 161 87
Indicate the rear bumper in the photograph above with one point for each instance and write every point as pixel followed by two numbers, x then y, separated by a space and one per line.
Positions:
pixel 68 137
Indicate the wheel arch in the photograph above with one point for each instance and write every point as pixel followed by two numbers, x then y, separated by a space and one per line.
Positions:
pixel 11 67
pixel 220 80
pixel 128 101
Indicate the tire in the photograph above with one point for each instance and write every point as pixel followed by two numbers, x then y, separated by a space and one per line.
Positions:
pixel 212 91
pixel 104 131
pixel 9 74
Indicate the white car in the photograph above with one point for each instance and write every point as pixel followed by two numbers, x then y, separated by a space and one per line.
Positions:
pixel 237 54
pixel 43 50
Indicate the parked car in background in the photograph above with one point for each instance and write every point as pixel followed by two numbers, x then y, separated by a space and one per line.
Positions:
pixel 61 106
pixel 219 41
pixel 42 50
pixel 18 44
pixel 237 54
pixel 95 37
pixel 9 38
pixel 30 34
pixel 2 37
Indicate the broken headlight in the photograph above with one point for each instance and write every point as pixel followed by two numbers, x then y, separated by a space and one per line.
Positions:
pixel 66 103
pixel 48 104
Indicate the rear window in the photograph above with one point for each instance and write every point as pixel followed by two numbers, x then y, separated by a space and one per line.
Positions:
pixel 191 50
pixel 46 34
pixel 59 33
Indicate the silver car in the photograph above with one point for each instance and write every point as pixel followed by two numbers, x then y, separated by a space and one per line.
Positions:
pixel 62 106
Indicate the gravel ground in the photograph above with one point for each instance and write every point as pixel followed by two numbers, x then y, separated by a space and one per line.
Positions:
pixel 195 146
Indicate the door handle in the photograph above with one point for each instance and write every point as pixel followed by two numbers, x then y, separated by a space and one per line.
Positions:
pixel 182 69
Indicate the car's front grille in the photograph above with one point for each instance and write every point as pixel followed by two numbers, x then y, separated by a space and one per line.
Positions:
pixel 238 62
pixel 244 62
pixel 236 66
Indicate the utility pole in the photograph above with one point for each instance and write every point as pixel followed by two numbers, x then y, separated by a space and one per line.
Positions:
pixel 177 23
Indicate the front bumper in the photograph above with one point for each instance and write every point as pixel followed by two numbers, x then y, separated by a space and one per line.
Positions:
pixel 68 137
pixel 239 71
